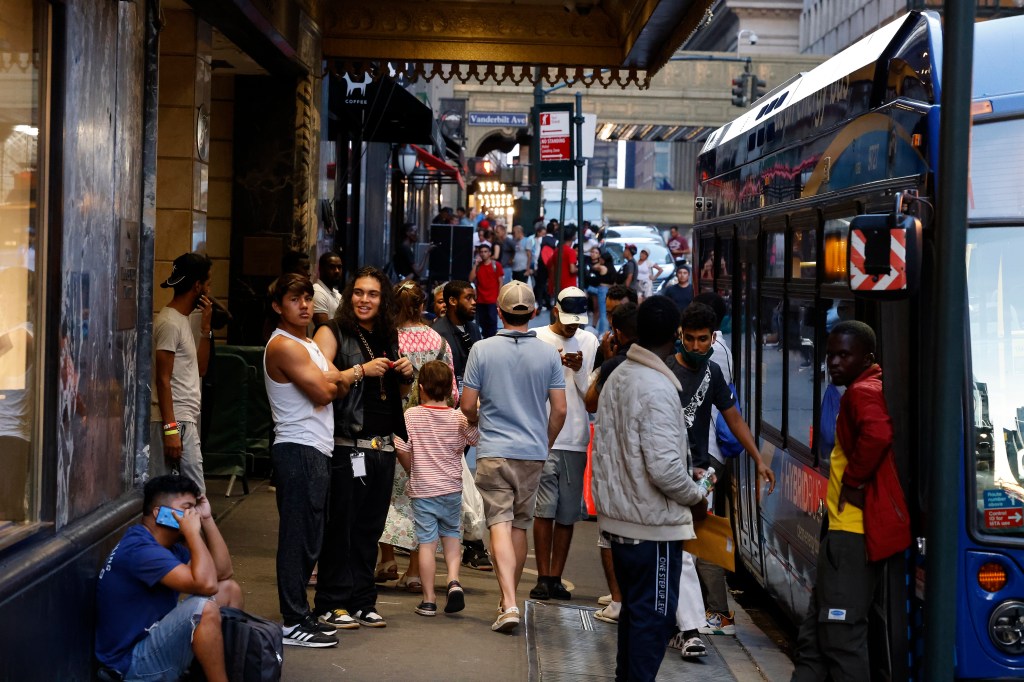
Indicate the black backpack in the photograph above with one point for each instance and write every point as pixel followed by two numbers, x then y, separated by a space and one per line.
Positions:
pixel 253 650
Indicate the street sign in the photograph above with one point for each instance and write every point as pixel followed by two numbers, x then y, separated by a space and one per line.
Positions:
pixel 495 118
pixel 555 140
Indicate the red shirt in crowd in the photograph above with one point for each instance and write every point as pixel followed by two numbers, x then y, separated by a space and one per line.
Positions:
pixel 569 257
pixel 488 281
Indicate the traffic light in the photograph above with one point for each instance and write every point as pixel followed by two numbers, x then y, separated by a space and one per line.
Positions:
pixel 757 86
pixel 740 90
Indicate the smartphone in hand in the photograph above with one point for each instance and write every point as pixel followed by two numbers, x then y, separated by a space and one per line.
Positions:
pixel 165 518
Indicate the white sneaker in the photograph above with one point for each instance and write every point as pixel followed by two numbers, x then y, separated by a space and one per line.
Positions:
pixel 605 600
pixel 610 613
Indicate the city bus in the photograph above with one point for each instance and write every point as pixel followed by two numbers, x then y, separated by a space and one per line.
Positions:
pixel 789 199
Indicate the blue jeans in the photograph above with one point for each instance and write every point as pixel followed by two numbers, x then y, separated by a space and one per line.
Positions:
pixel 648 574
pixel 601 292
pixel 165 653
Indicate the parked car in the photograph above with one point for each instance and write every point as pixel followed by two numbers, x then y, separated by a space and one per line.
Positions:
pixel 659 254
pixel 632 232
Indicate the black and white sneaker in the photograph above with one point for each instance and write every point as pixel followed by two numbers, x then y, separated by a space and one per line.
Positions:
pixel 693 648
pixel 370 618
pixel 308 633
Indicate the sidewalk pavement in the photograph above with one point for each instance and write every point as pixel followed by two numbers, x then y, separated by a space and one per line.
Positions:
pixel 450 647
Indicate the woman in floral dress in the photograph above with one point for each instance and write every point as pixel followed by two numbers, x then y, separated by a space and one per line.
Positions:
pixel 421 344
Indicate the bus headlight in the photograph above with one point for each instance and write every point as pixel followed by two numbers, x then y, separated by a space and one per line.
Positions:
pixel 1006 627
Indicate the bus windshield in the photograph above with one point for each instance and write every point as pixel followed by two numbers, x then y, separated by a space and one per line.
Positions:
pixel 995 282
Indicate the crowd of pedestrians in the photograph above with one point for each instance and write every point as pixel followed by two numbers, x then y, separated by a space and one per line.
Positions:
pixel 375 414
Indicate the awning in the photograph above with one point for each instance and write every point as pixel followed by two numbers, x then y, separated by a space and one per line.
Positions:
pixel 378 111
pixel 439 165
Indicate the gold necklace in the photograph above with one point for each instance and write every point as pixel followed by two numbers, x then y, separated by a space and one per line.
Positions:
pixel 380 379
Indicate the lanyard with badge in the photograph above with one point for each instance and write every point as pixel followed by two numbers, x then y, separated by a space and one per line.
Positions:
pixel 358 464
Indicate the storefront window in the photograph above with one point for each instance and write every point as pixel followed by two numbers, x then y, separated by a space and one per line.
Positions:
pixel 21 115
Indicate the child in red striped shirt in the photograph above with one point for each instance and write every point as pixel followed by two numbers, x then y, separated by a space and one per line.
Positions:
pixel 432 455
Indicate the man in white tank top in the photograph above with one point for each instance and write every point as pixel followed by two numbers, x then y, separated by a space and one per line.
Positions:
pixel 301 385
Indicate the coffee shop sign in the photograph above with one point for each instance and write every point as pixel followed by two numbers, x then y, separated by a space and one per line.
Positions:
pixel 500 119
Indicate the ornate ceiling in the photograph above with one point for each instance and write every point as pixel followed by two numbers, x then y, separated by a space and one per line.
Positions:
pixel 604 41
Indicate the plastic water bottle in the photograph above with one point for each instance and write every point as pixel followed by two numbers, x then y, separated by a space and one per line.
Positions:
pixel 706 483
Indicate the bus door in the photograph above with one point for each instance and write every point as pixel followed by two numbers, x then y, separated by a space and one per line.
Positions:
pixel 747 521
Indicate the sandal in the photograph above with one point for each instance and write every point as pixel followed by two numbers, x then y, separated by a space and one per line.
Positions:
pixel 410 584
pixel 386 572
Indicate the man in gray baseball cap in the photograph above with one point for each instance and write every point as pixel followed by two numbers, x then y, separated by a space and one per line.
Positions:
pixel 515 376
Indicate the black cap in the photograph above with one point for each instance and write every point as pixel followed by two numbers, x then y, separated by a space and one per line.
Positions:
pixel 188 267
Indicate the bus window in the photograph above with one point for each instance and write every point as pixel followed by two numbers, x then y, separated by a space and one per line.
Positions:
pixel 835 250
pixel 995 284
pixel 725 246
pixel 799 339
pixel 775 255
pixel 805 255
pixel 772 339
pixel 707 258
pixel 836 310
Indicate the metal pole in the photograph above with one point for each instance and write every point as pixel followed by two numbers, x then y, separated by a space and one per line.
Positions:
pixel 537 189
pixel 945 488
pixel 579 187
pixel 561 237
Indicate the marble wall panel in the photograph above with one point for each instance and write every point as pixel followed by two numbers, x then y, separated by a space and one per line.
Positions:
pixel 102 187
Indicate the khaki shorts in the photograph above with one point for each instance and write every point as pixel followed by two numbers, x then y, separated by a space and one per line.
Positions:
pixel 509 489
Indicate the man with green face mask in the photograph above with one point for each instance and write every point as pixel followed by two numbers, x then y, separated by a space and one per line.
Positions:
pixel 704 385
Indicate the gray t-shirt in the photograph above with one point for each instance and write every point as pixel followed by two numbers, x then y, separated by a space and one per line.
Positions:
pixel 513 371
pixel 173 332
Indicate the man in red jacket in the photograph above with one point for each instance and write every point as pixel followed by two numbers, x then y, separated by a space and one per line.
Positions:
pixel 867 516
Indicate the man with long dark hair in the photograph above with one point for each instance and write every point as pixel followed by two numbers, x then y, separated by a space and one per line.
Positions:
pixel 363 343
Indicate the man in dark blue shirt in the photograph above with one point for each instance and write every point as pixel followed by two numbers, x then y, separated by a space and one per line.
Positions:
pixel 142 630
pixel 681 292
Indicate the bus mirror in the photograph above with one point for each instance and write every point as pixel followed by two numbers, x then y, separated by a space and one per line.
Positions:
pixel 884 255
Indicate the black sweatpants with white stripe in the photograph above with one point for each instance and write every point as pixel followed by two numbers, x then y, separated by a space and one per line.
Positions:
pixel 648 575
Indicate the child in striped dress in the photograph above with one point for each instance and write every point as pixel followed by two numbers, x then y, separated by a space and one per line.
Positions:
pixel 432 455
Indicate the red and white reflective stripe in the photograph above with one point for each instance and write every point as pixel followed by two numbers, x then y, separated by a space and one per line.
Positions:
pixel 895 280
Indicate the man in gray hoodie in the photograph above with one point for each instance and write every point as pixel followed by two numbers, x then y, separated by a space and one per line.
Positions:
pixel 643 489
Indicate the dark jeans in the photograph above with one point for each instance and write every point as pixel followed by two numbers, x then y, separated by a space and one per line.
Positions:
pixel 833 638
pixel 648 575
pixel 355 521
pixel 302 479
pixel 487 318
pixel 540 286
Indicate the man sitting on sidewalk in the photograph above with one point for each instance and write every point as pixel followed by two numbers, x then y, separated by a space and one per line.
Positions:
pixel 142 630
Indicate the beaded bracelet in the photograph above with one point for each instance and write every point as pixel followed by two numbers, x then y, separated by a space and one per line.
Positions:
pixel 358 371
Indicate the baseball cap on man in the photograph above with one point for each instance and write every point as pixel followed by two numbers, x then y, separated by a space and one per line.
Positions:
pixel 516 298
pixel 572 306
pixel 188 268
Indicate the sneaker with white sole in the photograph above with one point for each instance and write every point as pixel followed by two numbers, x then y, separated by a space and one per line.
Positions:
pixel 307 634
pixel 610 613
pixel 694 648
pixel 507 621
pixel 370 618
pixel 339 619
pixel 605 600
pixel 719 624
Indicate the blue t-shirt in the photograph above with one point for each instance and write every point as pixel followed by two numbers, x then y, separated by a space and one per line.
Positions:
pixel 513 371
pixel 129 596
